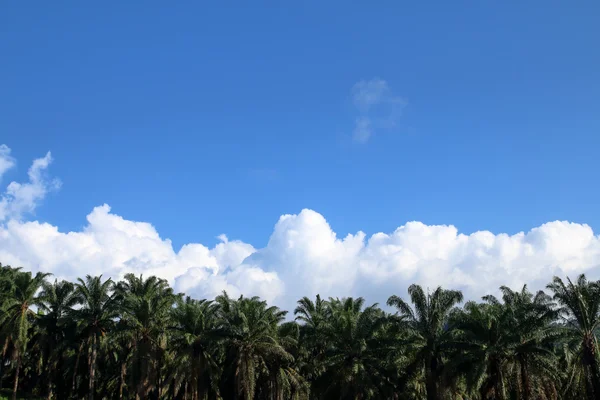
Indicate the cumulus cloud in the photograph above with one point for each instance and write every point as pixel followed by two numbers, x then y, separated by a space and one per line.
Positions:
pixel 377 106
pixel 22 198
pixel 305 256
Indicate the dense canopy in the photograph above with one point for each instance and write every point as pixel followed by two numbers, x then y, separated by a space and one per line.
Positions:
pixel 137 339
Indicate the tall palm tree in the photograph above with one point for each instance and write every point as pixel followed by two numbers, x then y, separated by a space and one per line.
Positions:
pixel 17 315
pixel 311 314
pixel 483 343
pixel 313 318
pixel 285 378
pixel 360 352
pixel 7 275
pixel 196 333
pixel 533 336
pixel 580 310
pixel 506 347
pixel 574 382
pixel 251 344
pixel 56 301
pixel 427 323
pixel 96 317
pixel 146 306
pixel 119 351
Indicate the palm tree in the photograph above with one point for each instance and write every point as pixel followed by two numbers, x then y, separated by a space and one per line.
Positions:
pixel 427 324
pixel 506 347
pixel 251 344
pixel 483 344
pixel 56 301
pixel 196 333
pixel 574 382
pixel 285 379
pixel 119 351
pixel 7 275
pixel 17 315
pixel 96 317
pixel 311 314
pixel 533 335
pixel 138 339
pixel 146 304
pixel 360 353
pixel 313 319
pixel 580 310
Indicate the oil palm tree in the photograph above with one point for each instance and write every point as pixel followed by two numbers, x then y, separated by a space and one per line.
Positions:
pixel 483 341
pixel 96 317
pixel 313 318
pixel 146 306
pixel 506 348
pixel 359 356
pixel 17 315
pixel 195 337
pixel 119 349
pixel 56 301
pixel 533 339
pixel 427 324
pixel 580 310
pixel 285 378
pixel 574 380
pixel 251 342
pixel 7 275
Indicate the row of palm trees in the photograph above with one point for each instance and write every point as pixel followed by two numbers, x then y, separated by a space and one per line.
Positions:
pixel 137 339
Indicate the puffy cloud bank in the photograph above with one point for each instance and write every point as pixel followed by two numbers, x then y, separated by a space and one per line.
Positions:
pixel 304 255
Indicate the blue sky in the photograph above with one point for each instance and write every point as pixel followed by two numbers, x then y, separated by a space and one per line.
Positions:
pixel 212 118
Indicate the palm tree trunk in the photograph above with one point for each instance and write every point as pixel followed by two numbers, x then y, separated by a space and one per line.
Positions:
pixel 486 388
pixel 4 348
pixel 158 373
pixel 526 389
pixel 49 372
pixel 499 385
pixel 591 363
pixel 430 382
pixel 122 380
pixel 59 389
pixel 93 369
pixel 76 368
pixel 431 387
pixel 172 389
pixel 17 371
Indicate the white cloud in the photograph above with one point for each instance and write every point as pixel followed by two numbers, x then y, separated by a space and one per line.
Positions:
pixel 366 94
pixel 6 161
pixel 377 107
pixel 22 198
pixel 362 129
pixel 304 256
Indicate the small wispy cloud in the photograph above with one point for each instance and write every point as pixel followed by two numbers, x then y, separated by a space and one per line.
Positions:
pixel 6 160
pixel 21 198
pixel 378 107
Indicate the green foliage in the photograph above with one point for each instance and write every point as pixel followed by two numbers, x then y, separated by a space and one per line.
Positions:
pixel 137 339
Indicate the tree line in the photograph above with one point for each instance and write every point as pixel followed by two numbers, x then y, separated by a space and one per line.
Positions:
pixel 137 339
